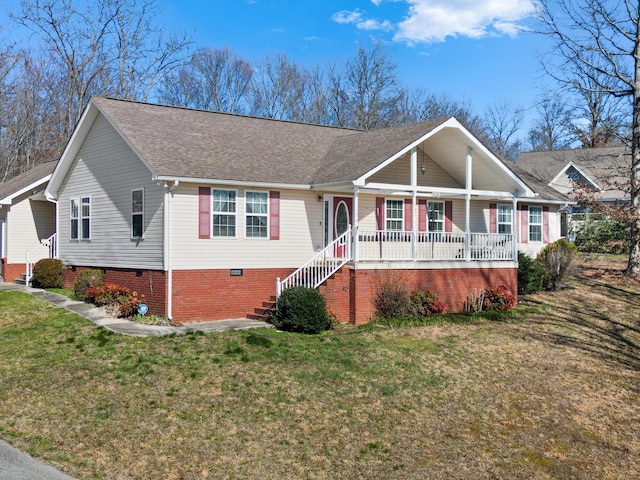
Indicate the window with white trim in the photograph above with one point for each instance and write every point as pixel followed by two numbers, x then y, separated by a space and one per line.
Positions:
pixel 395 216
pixel 80 218
pixel 504 220
pixel 224 212
pixel 535 224
pixel 435 217
pixel 137 213
pixel 256 214
pixel 85 218
pixel 74 216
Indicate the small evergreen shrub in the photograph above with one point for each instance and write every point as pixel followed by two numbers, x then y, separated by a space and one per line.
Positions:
pixel 498 298
pixel 123 301
pixel 392 299
pixel 85 280
pixel 47 273
pixel 530 275
pixel 557 260
pixel 425 304
pixel 301 309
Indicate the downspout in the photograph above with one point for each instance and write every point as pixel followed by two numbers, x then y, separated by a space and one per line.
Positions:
pixel 169 253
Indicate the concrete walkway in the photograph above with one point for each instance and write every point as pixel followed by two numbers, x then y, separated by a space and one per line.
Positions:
pixel 126 327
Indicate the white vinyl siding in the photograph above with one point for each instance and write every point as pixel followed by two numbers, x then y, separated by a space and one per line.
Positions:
pixel 224 213
pixel 106 167
pixel 300 234
pixel 398 172
pixel 27 222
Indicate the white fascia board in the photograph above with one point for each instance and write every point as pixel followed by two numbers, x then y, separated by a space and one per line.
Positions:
pixel 8 200
pixel 235 183
pixel 580 171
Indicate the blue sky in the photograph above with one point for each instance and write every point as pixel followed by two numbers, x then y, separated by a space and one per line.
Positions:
pixel 468 49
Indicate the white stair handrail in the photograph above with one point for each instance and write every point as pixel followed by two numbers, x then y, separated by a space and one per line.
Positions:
pixel 51 244
pixel 324 264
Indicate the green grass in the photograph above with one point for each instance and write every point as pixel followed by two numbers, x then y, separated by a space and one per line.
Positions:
pixel 525 394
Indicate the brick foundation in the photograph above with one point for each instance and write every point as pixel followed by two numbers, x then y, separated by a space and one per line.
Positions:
pixel 11 271
pixel 151 283
pixel 352 294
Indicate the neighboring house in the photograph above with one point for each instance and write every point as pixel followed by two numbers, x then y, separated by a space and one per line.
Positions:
pixel 209 214
pixel 603 171
pixel 27 220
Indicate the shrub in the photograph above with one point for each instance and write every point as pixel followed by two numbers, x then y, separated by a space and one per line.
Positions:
pixel 122 300
pixel 557 261
pixel 498 298
pixel 530 275
pixel 425 304
pixel 603 235
pixel 85 280
pixel 301 309
pixel 392 299
pixel 47 273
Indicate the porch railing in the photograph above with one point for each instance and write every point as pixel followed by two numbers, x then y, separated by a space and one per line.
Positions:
pixel 324 264
pixel 422 246
pixel 48 248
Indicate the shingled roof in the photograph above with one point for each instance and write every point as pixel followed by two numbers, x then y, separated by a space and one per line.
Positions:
pixel 607 166
pixel 185 143
pixel 36 175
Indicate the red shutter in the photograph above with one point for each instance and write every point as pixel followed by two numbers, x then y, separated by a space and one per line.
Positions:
pixel 274 215
pixel 524 223
pixel 493 218
pixel 380 213
pixel 422 215
pixel 204 212
pixel 408 215
pixel 545 224
pixel 448 215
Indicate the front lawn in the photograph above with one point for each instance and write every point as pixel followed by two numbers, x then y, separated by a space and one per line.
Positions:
pixel 551 394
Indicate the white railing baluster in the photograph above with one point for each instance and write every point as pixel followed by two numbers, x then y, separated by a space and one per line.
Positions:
pixel 48 245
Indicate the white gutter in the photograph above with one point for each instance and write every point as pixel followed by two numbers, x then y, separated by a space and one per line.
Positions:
pixel 168 224
pixel 206 181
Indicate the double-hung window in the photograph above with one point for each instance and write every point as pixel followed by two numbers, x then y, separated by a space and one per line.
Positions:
pixel 395 216
pixel 435 217
pixel 224 213
pixel 137 213
pixel 257 214
pixel 80 218
pixel 504 218
pixel 535 224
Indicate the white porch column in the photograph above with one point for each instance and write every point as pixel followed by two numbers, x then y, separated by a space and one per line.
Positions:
pixel 414 203
pixel 514 226
pixel 467 203
pixel 355 222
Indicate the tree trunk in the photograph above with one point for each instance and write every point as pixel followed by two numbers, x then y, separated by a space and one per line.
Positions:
pixel 633 266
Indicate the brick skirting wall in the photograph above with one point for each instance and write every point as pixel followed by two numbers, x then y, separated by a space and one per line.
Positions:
pixel 351 292
pixel 200 295
pixel 11 271
pixel 151 283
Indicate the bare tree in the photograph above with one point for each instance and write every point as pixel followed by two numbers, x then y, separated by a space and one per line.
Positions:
pixel 104 47
pixel 372 89
pixel 278 89
pixel 552 128
pixel 214 79
pixel 602 38
pixel 503 121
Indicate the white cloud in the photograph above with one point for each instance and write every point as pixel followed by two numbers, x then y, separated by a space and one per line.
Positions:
pixel 356 18
pixel 431 21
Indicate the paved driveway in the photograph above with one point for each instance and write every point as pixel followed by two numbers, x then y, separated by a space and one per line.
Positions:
pixel 16 465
